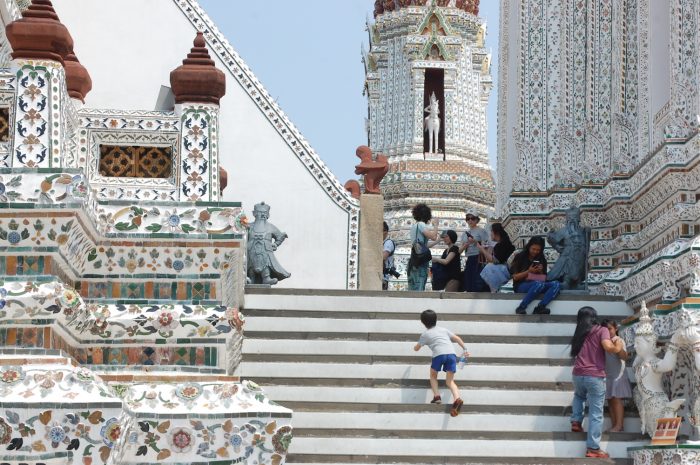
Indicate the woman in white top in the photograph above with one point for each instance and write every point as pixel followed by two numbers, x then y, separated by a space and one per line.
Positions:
pixel 421 232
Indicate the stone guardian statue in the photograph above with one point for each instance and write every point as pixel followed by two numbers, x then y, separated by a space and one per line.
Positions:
pixel 649 395
pixel 573 243
pixel 432 123
pixel 263 240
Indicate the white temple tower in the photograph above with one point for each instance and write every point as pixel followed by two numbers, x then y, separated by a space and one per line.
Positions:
pixel 418 49
pixel 598 102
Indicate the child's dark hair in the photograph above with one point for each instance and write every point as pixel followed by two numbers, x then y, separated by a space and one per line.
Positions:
pixel 428 318
pixel 609 322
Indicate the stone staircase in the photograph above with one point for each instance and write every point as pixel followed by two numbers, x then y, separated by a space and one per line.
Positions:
pixel 344 362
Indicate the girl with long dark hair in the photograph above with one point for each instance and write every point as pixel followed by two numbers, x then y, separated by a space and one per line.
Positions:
pixel 588 347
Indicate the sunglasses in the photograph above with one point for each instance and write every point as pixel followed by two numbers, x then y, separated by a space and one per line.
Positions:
pixel 471 218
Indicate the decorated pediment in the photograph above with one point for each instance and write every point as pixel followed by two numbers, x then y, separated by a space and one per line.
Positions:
pixel 435 50
pixel 434 23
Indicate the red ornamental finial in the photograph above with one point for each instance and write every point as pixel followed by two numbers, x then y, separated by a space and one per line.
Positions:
pixel 198 79
pixel 39 34
pixel 374 168
pixel 78 79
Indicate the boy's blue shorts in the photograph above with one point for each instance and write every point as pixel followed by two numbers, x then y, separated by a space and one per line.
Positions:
pixel 445 362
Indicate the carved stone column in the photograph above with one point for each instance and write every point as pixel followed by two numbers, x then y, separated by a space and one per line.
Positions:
pixel 198 87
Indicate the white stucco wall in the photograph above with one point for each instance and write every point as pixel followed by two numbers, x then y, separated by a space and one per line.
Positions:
pixel 130 46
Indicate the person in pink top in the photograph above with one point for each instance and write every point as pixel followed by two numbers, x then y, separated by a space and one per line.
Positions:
pixel 588 347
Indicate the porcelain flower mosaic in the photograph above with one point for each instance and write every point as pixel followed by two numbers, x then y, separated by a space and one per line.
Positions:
pixel 121 270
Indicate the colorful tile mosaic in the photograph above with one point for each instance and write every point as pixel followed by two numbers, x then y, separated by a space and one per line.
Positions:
pixel 46 410
pixel 123 206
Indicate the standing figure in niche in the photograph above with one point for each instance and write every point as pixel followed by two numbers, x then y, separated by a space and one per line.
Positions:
pixel 649 395
pixel 263 240
pixel 432 123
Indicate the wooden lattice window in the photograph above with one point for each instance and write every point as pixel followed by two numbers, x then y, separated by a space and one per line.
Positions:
pixel 134 161
pixel 4 124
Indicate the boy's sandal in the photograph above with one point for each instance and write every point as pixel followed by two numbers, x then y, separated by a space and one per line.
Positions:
pixel 597 454
pixel 456 407
pixel 436 400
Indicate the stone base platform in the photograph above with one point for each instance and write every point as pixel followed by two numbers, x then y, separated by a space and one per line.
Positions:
pixel 680 454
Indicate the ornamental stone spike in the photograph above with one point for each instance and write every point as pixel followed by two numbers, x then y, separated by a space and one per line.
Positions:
pixel 78 79
pixel 645 326
pixel 39 34
pixel 198 79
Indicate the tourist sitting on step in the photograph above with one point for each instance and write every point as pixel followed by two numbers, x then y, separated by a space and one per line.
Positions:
pixel 495 274
pixel 589 344
pixel 447 273
pixel 470 240
pixel 420 233
pixel 529 271
pixel 440 341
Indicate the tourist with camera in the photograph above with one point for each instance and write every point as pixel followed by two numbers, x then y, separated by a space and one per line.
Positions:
pixel 529 271
pixel 471 239
pixel 389 248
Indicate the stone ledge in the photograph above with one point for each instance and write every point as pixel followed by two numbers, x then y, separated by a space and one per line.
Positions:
pixel 420 295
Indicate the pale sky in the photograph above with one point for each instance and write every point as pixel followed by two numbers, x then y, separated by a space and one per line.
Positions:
pixel 307 55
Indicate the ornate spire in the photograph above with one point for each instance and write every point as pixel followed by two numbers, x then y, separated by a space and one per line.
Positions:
pixel 78 79
pixel 197 79
pixel 382 6
pixel 645 326
pixel 39 34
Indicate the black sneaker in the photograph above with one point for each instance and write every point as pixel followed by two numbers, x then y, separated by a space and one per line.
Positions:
pixel 541 310
pixel 520 310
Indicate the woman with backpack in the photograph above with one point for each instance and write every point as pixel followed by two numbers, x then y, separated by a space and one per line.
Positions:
pixel 420 259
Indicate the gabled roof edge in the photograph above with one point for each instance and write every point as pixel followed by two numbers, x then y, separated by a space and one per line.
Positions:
pixel 237 68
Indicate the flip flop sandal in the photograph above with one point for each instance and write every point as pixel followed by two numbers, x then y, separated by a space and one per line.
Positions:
pixel 456 407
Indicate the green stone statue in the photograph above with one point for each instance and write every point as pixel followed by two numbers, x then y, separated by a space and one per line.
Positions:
pixel 263 240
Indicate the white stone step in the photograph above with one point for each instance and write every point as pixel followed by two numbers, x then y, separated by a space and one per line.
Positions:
pixel 471 372
pixel 439 421
pixel 452 447
pixel 403 302
pixel 381 395
pixel 360 391
pixel 395 348
pixel 462 328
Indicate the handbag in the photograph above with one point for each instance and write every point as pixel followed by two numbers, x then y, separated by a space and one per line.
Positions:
pixel 420 253
pixel 439 276
pixel 495 275
pixel 536 277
